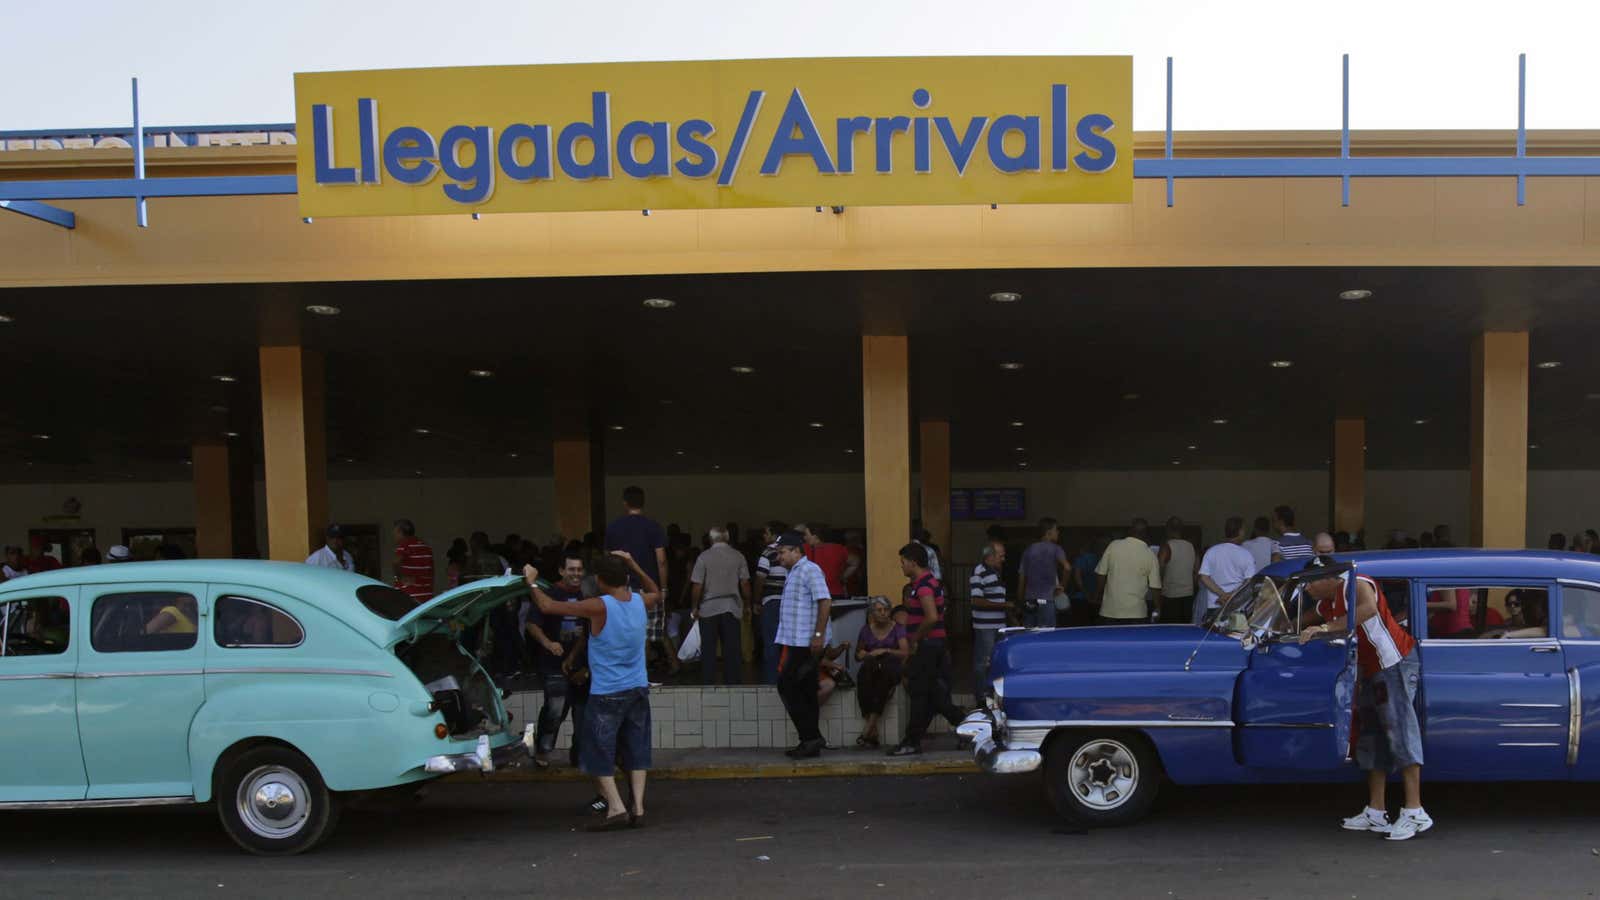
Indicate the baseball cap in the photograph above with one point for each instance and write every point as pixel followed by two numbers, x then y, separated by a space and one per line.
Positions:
pixel 791 539
pixel 119 553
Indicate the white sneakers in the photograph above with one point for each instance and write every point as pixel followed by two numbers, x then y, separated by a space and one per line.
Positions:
pixel 1411 823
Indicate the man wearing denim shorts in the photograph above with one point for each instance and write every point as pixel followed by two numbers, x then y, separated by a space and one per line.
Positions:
pixel 616 718
pixel 1389 739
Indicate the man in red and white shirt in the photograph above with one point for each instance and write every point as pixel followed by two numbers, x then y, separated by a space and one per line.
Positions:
pixel 413 562
pixel 1389 737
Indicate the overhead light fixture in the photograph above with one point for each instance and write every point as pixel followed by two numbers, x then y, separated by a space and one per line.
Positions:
pixel 423 431
pixel 1356 294
pixel 481 373
pixel 1130 396
pixel 187 462
pixel 742 370
pixel 1005 296
pixel 716 467
pixel 323 309
pixel 1017 424
pixel 1177 462
pixel 1023 464
pixel 1281 363
pixel 677 452
pixel 347 459
pixel 1550 364
pixel 659 303
pixel 849 450
pixel 1022 449
pixel 1011 366
pixel 1592 396
pixel 1193 447
pixel 225 379
pixel 231 434
pixel 514 454
pixel 1419 421
pixel 815 424
pixel 41 437
pixel 1219 421
pixel 616 427
pixel 5 319
pixel 1533 446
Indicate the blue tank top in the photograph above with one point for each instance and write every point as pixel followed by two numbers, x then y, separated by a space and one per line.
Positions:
pixel 616 654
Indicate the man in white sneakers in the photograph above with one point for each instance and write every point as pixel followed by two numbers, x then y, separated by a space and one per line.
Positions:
pixel 1389 737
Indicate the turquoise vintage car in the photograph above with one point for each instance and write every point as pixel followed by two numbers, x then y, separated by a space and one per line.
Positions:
pixel 271 689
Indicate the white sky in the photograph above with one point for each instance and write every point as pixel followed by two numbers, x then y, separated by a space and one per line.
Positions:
pixel 1239 63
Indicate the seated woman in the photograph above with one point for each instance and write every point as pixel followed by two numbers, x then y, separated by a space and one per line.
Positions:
pixel 881 648
pixel 176 617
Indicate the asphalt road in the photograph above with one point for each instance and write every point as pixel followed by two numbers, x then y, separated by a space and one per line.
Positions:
pixel 955 836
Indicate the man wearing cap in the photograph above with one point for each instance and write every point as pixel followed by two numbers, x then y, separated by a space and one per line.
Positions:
pixel 1389 737
pixel 803 630
pixel 119 553
pixel 333 555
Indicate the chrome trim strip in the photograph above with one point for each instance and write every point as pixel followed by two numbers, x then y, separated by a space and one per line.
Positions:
pixel 1484 642
pixel 293 670
pixel 97 804
pixel 1576 583
pixel 1574 715
pixel 1016 725
pixel 1287 725
pixel 145 674
pixel 37 677
pixel 1527 744
pixel 1531 705
pixel 1532 725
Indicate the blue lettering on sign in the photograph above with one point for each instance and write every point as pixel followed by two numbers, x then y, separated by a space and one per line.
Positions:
pixel 472 155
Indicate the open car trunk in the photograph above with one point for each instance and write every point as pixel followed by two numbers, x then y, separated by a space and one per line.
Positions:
pixel 428 641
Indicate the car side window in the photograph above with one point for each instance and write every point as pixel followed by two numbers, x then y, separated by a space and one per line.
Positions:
pixel 143 622
pixel 37 626
pixel 1580 612
pixel 1469 613
pixel 243 622
pixel 1397 591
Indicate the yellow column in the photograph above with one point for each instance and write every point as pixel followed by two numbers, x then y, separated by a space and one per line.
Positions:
pixel 295 450
pixel 213 501
pixel 935 446
pixel 1500 439
pixel 574 503
pixel 1349 482
pixel 886 456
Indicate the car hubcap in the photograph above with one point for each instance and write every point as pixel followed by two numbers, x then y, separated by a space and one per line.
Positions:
pixel 1103 774
pixel 273 802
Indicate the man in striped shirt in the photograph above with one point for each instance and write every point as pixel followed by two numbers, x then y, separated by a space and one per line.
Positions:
pixel 768 588
pixel 413 562
pixel 986 594
pixel 1291 543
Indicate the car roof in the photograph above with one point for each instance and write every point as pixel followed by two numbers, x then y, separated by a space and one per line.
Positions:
pixel 1463 563
pixel 330 590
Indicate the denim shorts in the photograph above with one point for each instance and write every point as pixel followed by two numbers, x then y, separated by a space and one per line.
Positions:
pixel 1390 738
pixel 616 732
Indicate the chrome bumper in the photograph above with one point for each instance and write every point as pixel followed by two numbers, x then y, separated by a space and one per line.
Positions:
pixel 481 759
pixel 990 755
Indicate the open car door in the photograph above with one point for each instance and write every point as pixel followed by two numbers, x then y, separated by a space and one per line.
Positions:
pixel 1294 702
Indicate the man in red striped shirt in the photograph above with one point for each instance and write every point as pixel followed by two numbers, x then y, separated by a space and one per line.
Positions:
pixel 413 562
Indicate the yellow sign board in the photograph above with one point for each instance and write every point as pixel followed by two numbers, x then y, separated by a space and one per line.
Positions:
pixel 698 135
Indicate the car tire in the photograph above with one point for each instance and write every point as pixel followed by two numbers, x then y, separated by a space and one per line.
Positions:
pixel 273 802
pixel 1101 779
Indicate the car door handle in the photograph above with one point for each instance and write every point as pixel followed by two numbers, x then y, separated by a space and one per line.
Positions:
pixel 1546 648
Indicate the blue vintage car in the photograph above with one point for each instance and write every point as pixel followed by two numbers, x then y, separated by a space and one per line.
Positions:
pixel 270 689
pixel 1509 644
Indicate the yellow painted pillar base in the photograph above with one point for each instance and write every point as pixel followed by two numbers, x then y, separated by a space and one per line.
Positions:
pixel 574 503
pixel 886 457
pixel 1499 506
pixel 213 501
pixel 1349 477
pixel 294 450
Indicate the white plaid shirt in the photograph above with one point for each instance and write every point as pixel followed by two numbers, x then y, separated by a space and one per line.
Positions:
pixel 805 587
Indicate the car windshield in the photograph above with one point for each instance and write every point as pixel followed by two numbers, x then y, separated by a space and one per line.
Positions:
pixel 1256 608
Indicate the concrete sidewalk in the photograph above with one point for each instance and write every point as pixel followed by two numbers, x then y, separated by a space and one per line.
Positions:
pixel 720 764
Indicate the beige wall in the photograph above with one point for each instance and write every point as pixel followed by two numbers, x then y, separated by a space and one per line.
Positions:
pixel 1564 501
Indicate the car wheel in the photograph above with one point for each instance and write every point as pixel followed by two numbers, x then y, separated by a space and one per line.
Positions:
pixel 273 803
pixel 1101 779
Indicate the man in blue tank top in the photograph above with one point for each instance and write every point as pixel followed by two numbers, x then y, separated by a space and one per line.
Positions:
pixel 616 720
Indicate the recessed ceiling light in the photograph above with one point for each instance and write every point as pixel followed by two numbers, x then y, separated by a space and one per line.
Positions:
pixel 1356 294
pixel 188 462
pixel 659 303
pixel 716 467
pixel 322 309
pixel 481 373
pixel 1130 396
pixel 1005 296
pixel 1017 424
pixel 1533 446
pixel 1011 366
pixel 742 370
pixel 615 427
pixel 347 459
pixel 423 431
pixel 5 319
pixel 1219 421
pixel 1022 449
pixel 419 473
pixel 1194 447
pixel 815 424
pixel 513 454
pixel 1550 364
pixel 1023 464
pixel 232 434
pixel 225 379
pixel 41 437
pixel 1177 462
pixel 677 452
pixel 849 450
pixel 1281 363
pixel 1419 421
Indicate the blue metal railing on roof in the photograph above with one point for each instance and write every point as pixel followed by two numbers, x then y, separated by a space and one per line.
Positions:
pixel 27 197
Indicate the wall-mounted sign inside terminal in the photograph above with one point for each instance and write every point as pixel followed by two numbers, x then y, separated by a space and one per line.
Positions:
pixel 988 504
pixel 695 135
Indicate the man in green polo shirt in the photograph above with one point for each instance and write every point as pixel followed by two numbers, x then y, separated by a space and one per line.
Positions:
pixel 1129 572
